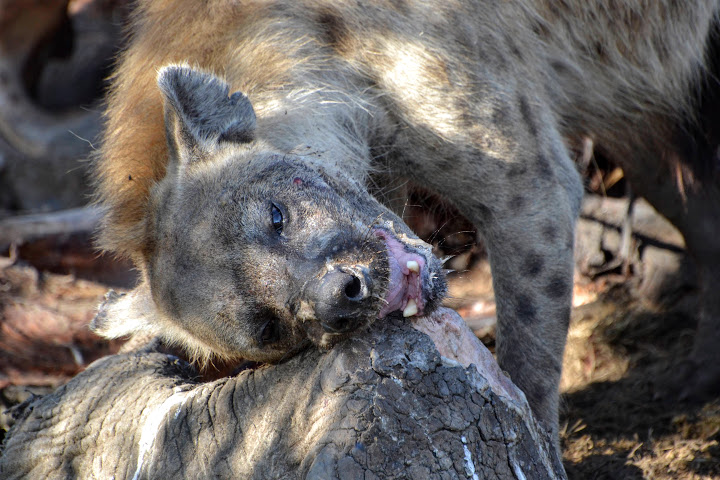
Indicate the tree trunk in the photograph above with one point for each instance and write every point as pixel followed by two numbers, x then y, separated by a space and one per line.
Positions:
pixel 384 404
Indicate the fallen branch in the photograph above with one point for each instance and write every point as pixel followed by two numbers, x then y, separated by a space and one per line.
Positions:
pixel 646 222
pixel 62 242
pixel 28 228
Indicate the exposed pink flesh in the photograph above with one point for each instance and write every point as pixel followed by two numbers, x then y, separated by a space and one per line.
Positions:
pixel 454 340
pixel 403 284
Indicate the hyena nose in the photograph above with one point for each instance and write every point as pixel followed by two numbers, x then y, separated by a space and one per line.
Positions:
pixel 339 297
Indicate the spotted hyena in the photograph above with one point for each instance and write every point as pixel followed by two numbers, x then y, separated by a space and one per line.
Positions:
pixel 254 217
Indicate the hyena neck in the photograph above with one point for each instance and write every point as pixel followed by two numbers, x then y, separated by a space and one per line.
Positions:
pixel 332 130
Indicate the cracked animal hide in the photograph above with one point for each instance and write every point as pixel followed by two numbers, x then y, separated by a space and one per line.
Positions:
pixel 384 404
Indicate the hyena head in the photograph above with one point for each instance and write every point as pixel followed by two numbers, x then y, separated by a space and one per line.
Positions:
pixel 252 252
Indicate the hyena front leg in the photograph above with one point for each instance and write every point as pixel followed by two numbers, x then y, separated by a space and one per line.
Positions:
pixel 530 237
pixel 526 207
pixel 531 255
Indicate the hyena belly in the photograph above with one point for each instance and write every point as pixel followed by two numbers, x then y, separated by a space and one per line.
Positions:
pixel 249 214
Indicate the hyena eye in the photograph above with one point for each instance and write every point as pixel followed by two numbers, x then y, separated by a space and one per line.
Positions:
pixel 268 334
pixel 277 219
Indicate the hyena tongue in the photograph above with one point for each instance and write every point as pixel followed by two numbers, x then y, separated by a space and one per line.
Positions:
pixel 405 291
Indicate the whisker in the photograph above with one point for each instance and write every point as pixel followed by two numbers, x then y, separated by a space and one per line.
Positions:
pixel 395 188
pixel 437 230
pixel 381 299
pixel 461 231
pixel 369 230
pixel 447 258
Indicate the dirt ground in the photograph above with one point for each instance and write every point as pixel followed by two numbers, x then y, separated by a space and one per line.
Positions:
pixel 616 423
pixel 619 419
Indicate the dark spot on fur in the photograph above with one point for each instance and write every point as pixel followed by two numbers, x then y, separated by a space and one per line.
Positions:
pixel 438 73
pixel 513 47
pixel 540 30
pixel 466 120
pixel 172 303
pixel 334 28
pixel 557 287
pixel 446 163
pixel 479 156
pixel 130 177
pixel 560 67
pixel 542 161
pixel 543 166
pixel 600 50
pixel 527 115
pixel 401 6
pixel 516 202
pixel 516 170
pixel 533 265
pixel 461 104
pixel 525 309
pixel 500 115
pixel 237 136
pixel 539 392
pixel 549 232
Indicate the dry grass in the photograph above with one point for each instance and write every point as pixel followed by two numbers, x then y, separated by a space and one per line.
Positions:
pixel 619 419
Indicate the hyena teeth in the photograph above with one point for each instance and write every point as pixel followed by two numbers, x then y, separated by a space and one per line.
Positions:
pixel 413 266
pixel 411 308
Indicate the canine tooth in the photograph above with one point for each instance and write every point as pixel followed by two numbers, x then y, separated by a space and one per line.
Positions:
pixel 413 266
pixel 410 309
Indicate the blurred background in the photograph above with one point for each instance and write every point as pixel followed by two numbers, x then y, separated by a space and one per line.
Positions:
pixel 635 287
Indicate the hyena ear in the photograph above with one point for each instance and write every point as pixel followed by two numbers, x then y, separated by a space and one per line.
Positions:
pixel 126 314
pixel 199 114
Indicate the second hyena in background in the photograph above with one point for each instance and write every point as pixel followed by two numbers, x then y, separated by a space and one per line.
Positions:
pixel 478 101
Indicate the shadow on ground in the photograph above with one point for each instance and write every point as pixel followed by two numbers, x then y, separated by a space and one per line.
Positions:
pixel 620 419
